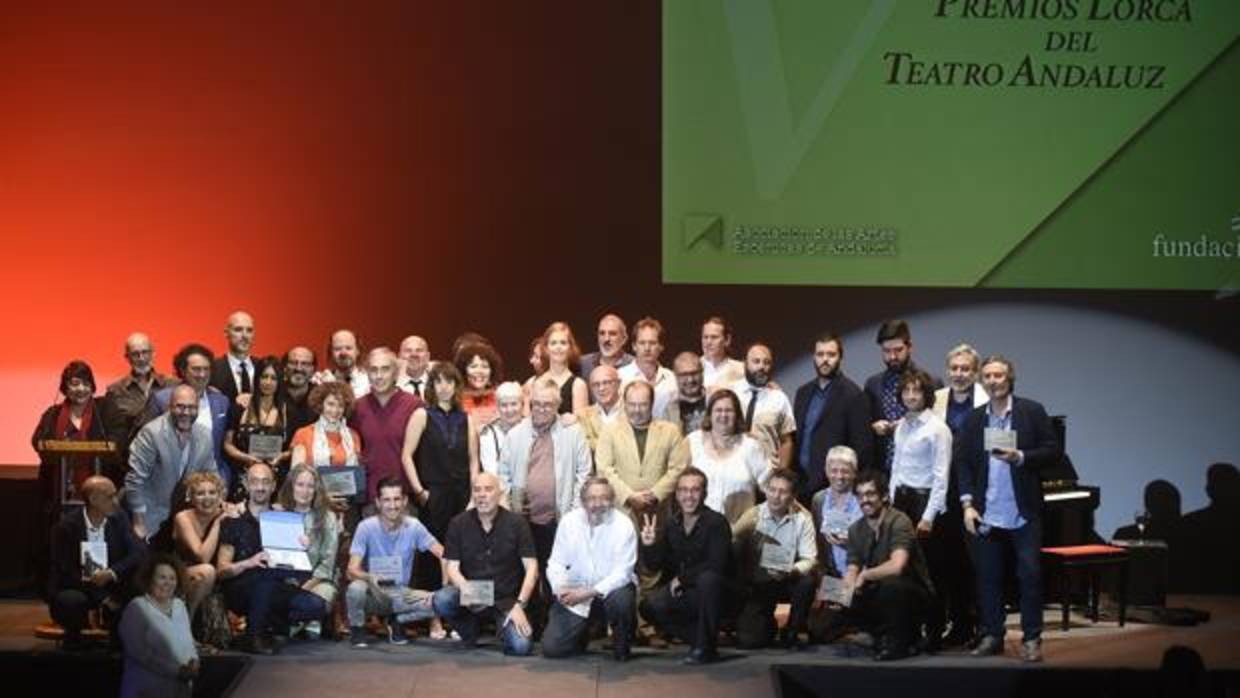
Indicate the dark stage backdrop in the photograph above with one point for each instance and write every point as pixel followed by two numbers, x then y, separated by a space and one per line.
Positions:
pixel 394 168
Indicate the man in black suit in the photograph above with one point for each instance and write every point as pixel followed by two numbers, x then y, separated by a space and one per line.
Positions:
pixel 1001 493
pixel 233 373
pixel 829 411
pixel 83 576
pixel 881 389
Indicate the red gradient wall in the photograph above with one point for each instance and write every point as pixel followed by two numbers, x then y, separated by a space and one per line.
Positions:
pixel 379 166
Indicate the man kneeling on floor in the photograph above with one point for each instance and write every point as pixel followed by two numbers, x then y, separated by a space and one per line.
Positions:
pixel 776 551
pixel 380 564
pixel 887 577
pixel 591 574
pixel 492 566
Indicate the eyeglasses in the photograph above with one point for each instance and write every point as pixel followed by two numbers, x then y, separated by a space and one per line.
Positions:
pixel 543 405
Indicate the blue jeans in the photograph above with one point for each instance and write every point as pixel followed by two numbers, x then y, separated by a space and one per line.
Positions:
pixel 447 604
pixel 990 551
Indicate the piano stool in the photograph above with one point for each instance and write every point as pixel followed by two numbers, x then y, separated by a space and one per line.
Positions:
pixel 1092 559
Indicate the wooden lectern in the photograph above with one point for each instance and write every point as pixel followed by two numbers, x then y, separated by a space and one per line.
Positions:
pixel 69 452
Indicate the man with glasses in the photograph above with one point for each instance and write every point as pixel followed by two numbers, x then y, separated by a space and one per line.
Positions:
pixel 161 455
pixel 125 400
pixel 689 407
pixel 193 366
pixel 542 468
pixel 604 404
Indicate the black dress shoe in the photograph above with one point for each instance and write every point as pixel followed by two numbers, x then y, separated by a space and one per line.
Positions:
pixel 699 655
pixel 788 640
pixel 988 646
pixel 956 638
pixel 255 644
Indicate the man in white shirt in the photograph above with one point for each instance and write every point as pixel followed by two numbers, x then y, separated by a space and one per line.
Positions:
pixel 591 574
pixel 343 350
pixel 766 409
pixel 718 369
pixel 415 358
pixel 647 348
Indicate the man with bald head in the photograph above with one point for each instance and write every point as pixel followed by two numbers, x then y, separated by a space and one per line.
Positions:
pixel 233 373
pixel 604 405
pixel 125 400
pixel 415 364
pixel 689 407
pixel 489 548
pixel 343 351
pixel 380 418
pixel 193 366
pixel 165 450
pixel 767 410
pixel 94 557
pixel 612 336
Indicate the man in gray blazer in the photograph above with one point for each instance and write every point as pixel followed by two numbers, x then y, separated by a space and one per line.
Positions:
pixel 165 450
pixel 542 469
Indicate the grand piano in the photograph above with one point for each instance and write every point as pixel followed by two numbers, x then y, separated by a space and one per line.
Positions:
pixel 1067 506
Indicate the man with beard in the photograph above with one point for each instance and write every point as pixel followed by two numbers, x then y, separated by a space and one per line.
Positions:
pixel 604 405
pixel 343 350
pixel 767 411
pixel 692 551
pixel 251 588
pixel 647 348
pixel 963 392
pixel 490 561
pixel 1001 493
pixel 298 369
pixel 831 411
pixel 591 574
pixel 233 373
pixel 886 577
pixel 415 360
pixel 718 369
pixel 193 366
pixel 161 455
pixel 612 336
pixel 125 400
pixel 882 390
pixel 689 408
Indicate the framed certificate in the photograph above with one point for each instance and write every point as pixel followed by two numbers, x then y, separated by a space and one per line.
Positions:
pixel 266 447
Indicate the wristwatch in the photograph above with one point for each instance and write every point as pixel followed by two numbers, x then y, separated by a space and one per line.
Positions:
pixel 522 604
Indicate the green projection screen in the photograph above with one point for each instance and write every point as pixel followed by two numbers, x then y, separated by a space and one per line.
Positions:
pixel 999 143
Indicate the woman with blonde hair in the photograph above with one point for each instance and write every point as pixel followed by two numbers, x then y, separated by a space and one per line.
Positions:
pixel 303 492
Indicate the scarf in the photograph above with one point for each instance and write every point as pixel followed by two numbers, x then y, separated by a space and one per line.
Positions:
pixel 63 423
pixel 322 455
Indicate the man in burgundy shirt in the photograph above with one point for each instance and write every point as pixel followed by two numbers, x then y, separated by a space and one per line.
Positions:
pixel 381 417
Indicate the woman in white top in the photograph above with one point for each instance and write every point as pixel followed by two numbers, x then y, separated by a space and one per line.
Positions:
pixel 922 454
pixel 735 464
pixel 160 658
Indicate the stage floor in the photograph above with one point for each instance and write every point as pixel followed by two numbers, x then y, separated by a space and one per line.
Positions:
pixel 426 668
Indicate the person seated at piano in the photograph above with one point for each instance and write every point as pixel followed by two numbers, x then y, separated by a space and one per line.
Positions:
pixel 997 456
pixel 329 441
pixel 94 557
pixel 76 418
pixel 262 415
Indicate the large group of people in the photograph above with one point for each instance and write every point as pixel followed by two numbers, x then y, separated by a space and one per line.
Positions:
pixel 680 503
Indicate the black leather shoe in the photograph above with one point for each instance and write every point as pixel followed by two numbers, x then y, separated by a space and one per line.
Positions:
pixel 255 644
pixel 988 646
pixel 788 640
pixel 698 655
pixel 958 637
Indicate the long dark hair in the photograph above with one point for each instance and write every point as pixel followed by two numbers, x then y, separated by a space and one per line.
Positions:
pixel 251 413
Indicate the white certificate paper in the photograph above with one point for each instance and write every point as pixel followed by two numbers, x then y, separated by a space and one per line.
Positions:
pixel 998 438
pixel 777 557
pixel 94 557
pixel 478 593
pixel 833 590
